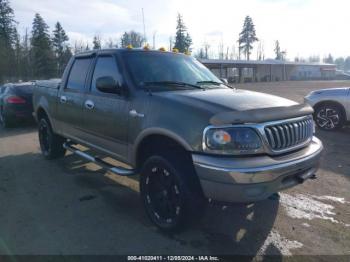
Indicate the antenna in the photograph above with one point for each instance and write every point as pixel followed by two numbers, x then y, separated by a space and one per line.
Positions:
pixel 144 27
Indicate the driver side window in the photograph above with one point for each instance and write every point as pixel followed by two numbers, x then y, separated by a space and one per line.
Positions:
pixel 106 68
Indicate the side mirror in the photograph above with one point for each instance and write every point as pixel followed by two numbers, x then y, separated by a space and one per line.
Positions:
pixel 224 80
pixel 107 84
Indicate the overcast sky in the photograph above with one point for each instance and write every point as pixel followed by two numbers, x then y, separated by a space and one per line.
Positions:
pixel 303 27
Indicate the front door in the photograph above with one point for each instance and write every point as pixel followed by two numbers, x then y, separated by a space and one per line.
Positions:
pixel 106 111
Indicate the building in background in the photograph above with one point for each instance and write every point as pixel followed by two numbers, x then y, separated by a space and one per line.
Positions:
pixel 237 71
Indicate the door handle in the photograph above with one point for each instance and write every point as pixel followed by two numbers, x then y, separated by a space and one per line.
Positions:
pixel 133 113
pixel 63 99
pixel 89 104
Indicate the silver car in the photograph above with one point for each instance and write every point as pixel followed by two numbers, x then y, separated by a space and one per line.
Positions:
pixel 332 107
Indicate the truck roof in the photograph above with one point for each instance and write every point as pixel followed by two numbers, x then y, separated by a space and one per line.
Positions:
pixel 118 50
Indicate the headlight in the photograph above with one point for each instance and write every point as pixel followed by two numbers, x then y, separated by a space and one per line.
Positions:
pixel 232 140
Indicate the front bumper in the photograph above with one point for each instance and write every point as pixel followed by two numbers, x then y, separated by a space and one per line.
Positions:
pixel 248 179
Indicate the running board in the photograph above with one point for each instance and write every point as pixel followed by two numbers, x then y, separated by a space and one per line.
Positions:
pixel 121 171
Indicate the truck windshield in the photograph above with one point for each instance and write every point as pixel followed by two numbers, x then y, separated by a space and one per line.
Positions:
pixel 164 71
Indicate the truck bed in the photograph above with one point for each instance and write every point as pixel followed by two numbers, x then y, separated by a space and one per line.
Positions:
pixel 47 92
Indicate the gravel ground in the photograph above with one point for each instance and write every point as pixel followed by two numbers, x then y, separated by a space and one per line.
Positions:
pixel 69 206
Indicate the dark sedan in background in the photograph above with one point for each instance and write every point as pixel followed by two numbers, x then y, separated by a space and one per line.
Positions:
pixel 16 103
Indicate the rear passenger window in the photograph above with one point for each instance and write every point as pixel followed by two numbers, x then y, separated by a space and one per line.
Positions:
pixel 78 73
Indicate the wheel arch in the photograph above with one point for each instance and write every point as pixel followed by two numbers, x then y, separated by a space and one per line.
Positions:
pixel 156 139
pixel 41 112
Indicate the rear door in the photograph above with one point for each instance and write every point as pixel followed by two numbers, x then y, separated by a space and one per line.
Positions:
pixel 71 97
pixel 105 113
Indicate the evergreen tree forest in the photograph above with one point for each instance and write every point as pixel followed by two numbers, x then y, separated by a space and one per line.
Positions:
pixel 38 54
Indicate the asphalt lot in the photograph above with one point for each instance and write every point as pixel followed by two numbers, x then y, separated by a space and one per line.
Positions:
pixel 69 206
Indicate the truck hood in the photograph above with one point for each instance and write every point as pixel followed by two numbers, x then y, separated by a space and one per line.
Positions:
pixel 228 99
pixel 232 106
pixel 331 91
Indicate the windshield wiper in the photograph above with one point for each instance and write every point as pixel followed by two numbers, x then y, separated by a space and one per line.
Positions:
pixel 209 82
pixel 214 83
pixel 174 83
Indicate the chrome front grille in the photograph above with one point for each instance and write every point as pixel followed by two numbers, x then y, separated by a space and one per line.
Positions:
pixel 287 135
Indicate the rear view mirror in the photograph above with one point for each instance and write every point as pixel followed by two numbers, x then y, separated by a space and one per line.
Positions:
pixel 107 84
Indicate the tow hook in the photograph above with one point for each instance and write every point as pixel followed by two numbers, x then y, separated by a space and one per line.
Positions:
pixel 313 177
pixel 302 179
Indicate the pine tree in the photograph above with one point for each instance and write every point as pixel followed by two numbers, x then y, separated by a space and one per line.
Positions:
pixel 25 57
pixel 41 50
pixel 96 42
pixel 329 59
pixel 280 55
pixel 247 37
pixel 340 62
pixel 18 58
pixel 59 42
pixel 183 40
pixel 277 50
pixel 8 39
pixel 66 56
pixel 188 42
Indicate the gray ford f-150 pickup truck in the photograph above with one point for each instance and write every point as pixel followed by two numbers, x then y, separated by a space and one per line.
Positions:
pixel 187 134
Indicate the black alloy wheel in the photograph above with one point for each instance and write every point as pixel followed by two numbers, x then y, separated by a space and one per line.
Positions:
pixel 45 137
pixel 168 197
pixel 51 144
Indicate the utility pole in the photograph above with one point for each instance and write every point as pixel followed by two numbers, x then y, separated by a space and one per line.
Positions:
pixel 144 27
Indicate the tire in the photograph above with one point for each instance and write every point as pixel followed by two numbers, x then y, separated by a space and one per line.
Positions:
pixel 171 195
pixel 329 117
pixel 4 120
pixel 51 144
